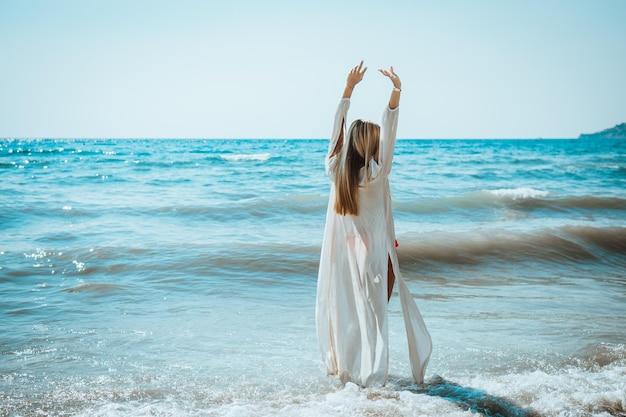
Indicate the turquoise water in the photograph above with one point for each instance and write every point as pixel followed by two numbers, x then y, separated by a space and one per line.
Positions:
pixel 177 277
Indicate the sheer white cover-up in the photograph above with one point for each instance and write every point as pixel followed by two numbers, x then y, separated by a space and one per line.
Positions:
pixel 351 308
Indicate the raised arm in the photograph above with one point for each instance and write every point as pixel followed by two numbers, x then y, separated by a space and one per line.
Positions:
pixel 390 123
pixel 394 100
pixel 336 138
pixel 354 77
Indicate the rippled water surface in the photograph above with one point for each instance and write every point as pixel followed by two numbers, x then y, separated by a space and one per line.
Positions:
pixel 177 278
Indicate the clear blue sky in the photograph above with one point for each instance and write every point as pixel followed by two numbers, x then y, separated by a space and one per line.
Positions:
pixel 276 69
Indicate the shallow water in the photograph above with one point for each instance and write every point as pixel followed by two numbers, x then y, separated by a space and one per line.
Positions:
pixel 150 277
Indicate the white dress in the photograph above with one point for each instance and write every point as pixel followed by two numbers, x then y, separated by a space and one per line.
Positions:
pixel 351 308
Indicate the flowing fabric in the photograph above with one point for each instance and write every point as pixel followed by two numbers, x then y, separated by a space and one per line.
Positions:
pixel 351 308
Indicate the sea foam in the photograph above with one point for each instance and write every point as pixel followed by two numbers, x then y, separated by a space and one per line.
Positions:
pixel 245 157
pixel 519 193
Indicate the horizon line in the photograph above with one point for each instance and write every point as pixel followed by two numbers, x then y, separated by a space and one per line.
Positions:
pixel 259 138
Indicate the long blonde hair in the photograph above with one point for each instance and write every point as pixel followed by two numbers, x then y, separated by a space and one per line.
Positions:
pixel 359 148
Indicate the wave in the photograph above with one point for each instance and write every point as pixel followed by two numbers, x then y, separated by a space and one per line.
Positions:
pixel 249 208
pixel 523 199
pixel 566 244
pixel 241 206
pixel 95 288
pixel 571 245
pixel 519 193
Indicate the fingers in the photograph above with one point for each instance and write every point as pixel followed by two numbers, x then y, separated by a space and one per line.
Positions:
pixel 390 73
pixel 359 69
pixel 356 75
pixel 357 72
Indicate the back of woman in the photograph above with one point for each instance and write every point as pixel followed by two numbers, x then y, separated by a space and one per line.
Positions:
pixel 358 263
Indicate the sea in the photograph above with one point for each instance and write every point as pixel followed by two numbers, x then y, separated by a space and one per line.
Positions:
pixel 178 278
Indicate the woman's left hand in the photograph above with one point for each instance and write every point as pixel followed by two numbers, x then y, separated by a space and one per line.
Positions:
pixel 392 76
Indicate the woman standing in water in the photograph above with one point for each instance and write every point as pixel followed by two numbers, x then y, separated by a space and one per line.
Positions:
pixel 359 264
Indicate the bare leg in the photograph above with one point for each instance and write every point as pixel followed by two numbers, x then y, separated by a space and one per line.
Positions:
pixel 391 278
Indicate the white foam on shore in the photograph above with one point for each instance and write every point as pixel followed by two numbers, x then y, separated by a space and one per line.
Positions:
pixel 569 392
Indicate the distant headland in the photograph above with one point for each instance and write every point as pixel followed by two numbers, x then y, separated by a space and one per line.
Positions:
pixel 616 132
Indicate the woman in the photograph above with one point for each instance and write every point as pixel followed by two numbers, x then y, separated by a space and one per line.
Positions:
pixel 358 262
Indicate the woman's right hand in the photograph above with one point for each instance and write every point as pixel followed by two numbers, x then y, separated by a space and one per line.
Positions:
pixel 354 77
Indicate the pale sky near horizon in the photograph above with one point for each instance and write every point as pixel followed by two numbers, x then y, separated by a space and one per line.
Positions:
pixel 276 69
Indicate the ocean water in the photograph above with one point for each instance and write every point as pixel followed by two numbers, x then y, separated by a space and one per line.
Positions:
pixel 177 278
